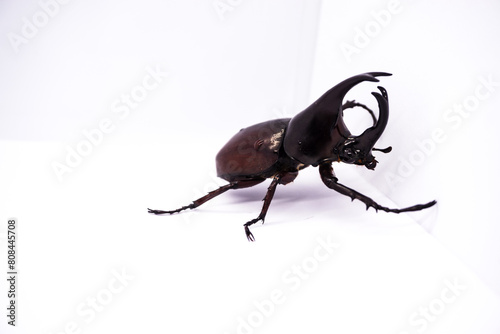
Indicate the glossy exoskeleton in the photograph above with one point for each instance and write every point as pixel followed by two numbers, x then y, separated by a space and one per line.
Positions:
pixel 317 136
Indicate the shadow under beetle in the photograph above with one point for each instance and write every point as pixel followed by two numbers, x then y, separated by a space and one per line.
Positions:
pixel 317 136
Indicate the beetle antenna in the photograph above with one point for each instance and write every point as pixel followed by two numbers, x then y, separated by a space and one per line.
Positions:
pixel 383 150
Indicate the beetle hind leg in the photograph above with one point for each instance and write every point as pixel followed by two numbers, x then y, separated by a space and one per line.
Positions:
pixel 267 202
pixel 211 195
pixel 330 180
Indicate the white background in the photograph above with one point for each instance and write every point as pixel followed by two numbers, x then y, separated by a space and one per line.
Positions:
pixel 221 66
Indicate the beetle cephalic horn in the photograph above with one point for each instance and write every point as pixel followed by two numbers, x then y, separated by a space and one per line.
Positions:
pixel 370 136
pixel 308 138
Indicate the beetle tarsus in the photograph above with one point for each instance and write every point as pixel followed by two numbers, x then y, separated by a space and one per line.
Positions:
pixel 416 207
pixel 249 234
pixel 171 212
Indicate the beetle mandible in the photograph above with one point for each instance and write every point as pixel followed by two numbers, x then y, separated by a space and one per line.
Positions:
pixel 280 148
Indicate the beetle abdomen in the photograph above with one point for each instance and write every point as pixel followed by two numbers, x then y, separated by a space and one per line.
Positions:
pixel 252 152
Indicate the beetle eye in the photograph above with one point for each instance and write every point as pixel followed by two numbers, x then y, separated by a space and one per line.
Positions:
pixel 349 155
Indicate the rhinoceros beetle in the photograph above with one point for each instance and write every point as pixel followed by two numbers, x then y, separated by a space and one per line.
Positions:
pixel 280 148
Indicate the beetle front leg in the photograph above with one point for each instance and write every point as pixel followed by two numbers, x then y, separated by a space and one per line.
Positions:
pixel 331 181
pixel 267 201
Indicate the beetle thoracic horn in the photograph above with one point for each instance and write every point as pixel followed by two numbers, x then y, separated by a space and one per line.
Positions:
pixel 330 103
pixel 309 132
pixel 370 136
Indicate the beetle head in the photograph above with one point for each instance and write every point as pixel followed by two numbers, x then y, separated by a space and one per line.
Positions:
pixel 319 133
pixel 358 149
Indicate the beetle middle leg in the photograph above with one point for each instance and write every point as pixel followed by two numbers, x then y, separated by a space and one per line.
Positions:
pixel 267 201
pixel 233 185
pixel 331 181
